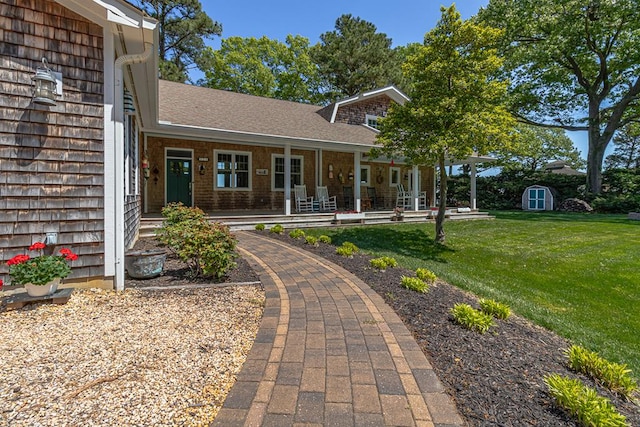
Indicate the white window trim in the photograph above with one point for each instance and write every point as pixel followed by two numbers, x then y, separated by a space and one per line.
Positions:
pixel 274 156
pixel 366 183
pixel 215 170
pixel 544 199
pixel 393 183
pixel 368 117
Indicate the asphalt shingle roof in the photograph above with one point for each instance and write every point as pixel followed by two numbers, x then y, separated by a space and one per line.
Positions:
pixel 189 105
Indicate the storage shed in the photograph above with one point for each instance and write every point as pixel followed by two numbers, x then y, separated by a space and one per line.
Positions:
pixel 537 198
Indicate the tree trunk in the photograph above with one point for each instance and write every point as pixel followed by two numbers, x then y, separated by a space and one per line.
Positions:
pixel 440 236
pixel 597 147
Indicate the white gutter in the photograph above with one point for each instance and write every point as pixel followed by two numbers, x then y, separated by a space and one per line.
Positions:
pixel 119 171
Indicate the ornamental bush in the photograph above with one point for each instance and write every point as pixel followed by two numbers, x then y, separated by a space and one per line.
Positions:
pixel 296 234
pixel 494 308
pixel 259 227
pixel 277 229
pixel 426 275
pixel 415 284
pixel 207 248
pixel 383 263
pixel 311 240
pixel 325 239
pixel 471 318
pixel 347 249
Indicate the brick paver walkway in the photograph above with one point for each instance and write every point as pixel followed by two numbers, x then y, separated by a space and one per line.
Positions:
pixel 329 352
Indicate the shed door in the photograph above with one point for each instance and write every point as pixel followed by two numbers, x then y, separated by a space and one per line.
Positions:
pixel 536 198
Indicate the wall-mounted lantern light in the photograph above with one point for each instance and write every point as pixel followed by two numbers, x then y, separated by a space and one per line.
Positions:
pixel 45 89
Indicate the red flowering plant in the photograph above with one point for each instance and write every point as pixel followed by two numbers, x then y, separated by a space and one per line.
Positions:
pixel 41 269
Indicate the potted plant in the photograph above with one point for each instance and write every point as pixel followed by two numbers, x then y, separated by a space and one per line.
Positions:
pixel 40 275
pixel 398 214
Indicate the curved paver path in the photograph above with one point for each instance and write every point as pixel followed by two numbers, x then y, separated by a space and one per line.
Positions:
pixel 329 352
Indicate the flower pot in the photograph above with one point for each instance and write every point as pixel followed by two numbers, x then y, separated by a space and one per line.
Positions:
pixel 42 290
pixel 145 264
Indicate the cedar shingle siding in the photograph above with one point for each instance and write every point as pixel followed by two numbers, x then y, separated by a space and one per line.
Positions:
pixel 51 158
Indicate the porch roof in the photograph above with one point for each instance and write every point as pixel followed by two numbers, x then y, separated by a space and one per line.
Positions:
pixel 200 108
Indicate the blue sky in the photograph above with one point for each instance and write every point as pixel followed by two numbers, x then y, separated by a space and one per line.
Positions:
pixel 404 21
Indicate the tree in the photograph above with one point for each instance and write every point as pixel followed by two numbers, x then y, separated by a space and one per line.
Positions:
pixel 627 152
pixel 354 58
pixel 536 146
pixel 455 108
pixel 184 26
pixel 265 67
pixel 574 65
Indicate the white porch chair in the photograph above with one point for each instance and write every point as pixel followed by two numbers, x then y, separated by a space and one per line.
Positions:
pixel 303 203
pixel 403 198
pixel 326 202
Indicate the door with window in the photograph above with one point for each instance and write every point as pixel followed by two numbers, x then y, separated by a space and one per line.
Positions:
pixel 536 198
pixel 179 176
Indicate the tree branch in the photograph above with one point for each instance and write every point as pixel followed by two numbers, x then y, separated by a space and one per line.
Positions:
pixel 525 120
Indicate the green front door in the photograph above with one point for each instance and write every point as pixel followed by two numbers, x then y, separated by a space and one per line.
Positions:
pixel 179 181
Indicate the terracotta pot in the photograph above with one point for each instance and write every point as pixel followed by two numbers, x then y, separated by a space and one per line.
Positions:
pixel 42 290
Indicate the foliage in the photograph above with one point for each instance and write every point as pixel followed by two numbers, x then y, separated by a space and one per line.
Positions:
pixel 311 240
pixel 265 67
pixel 260 227
pixel 456 108
pixel 277 229
pixel 383 263
pixel 415 284
pixel 426 275
pixel 324 239
pixel 627 148
pixel 296 234
pixel 347 249
pixel 183 26
pixel 207 248
pixel 561 271
pixel 616 377
pixel 535 146
pixel 41 269
pixel 354 57
pixel 583 402
pixel 572 65
pixel 471 318
pixel 621 192
pixel 494 308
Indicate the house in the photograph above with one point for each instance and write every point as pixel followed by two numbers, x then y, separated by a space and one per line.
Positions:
pixel 561 167
pixel 537 198
pixel 92 139
pixel 64 150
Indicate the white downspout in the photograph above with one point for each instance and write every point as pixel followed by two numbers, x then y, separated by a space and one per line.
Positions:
pixel 119 171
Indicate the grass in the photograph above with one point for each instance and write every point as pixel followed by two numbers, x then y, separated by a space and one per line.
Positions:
pixel 576 274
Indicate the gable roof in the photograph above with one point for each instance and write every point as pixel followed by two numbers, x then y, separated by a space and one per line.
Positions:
pixel 389 91
pixel 185 107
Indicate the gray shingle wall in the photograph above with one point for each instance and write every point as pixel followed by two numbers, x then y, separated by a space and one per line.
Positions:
pixel 51 158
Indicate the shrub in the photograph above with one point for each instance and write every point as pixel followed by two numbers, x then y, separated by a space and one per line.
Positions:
pixel 426 275
pixel 494 308
pixel 347 249
pixel 259 227
pixel 583 403
pixel 414 284
pixel 311 240
pixel 325 239
pixel 207 249
pixel 296 234
pixel 614 376
pixel 383 263
pixel 277 229
pixel 471 318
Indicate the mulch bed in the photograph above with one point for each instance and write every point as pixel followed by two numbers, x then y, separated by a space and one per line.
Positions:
pixel 495 378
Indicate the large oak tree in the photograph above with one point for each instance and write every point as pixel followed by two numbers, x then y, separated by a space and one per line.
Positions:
pixel 456 108
pixel 573 64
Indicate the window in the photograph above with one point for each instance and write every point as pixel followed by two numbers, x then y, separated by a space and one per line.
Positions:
pixel 232 169
pixel 365 175
pixel 371 121
pixel 536 198
pixel 394 177
pixel 297 171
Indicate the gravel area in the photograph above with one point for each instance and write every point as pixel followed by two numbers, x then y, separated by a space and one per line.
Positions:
pixel 135 358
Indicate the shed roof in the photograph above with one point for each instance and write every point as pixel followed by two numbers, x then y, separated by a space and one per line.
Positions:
pixel 204 108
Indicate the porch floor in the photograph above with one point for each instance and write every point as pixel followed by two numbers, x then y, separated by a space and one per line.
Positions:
pixel 247 220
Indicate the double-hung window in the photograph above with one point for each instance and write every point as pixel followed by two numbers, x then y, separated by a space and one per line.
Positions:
pixel 297 171
pixel 232 169
pixel 371 121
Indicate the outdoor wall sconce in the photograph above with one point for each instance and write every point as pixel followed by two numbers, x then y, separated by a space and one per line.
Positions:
pixel 202 169
pixel 45 89
pixel 155 172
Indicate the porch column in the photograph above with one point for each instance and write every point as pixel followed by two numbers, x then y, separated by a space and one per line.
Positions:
pixel 287 179
pixel 319 167
pixel 414 189
pixel 472 202
pixel 356 180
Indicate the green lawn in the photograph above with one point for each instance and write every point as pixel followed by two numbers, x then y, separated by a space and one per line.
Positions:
pixel 576 274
